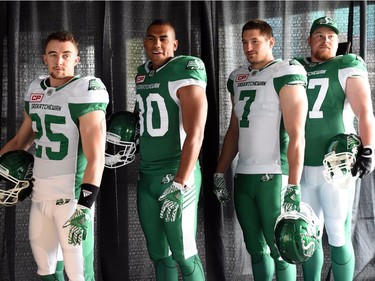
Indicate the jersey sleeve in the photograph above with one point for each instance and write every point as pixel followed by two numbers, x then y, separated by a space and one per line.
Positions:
pixel 289 72
pixel 352 65
pixel 89 95
pixel 192 71
pixel 230 84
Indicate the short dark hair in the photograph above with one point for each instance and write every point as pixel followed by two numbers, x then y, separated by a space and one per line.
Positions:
pixel 261 25
pixel 161 22
pixel 61 36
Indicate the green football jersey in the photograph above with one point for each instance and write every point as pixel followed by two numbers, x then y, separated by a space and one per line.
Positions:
pixel 161 131
pixel 329 110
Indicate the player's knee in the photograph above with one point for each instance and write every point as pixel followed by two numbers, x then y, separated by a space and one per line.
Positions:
pixel 280 264
pixel 341 255
pixel 257 257
pixel 167 262
pixel 190 265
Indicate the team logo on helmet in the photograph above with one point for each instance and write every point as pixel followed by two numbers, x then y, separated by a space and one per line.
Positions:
pixel 297 234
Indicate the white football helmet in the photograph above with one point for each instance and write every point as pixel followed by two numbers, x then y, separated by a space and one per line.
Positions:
pixel 341 155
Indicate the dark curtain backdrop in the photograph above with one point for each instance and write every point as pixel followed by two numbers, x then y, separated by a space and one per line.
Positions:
pixel 111 35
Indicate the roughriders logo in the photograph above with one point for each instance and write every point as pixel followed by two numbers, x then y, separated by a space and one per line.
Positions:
pixel 140 79
pixel 241 77
pixel 36 97
pixel 308 245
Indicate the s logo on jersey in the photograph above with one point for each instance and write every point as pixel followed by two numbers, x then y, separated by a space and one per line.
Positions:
pixel 36 97
pixel 140 79
pixel 241 77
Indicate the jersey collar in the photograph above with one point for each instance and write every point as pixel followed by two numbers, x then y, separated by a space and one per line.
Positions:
pixel 45 83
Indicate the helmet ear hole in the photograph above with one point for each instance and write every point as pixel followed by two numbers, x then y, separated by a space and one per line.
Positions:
pixel 122 139
pixel 16 168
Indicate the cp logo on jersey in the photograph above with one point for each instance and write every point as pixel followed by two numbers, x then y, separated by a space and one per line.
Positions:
pixel 35 97
pixel 140 79
pixel 241 77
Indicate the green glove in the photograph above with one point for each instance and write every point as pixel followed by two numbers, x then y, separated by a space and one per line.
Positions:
pixel 172 198
pixel 292 198
pixel 78 223
pixel 220 188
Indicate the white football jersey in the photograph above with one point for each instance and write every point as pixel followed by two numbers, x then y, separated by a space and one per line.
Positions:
pixel 262 139
pixel 59 159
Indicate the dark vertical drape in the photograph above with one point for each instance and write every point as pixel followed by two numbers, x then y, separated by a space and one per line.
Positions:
pixel 212 210
pixel 111 47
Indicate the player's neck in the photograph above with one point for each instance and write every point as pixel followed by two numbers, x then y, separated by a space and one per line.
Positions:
pixel 57 82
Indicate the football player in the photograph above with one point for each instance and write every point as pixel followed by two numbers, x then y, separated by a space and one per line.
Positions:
pixel 266 129
pixel 65 117
pixel 338 90
pixel 172 106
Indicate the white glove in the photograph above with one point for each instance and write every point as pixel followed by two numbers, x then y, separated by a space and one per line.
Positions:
pixel 220 188
pixel 78 223
pixel 173 198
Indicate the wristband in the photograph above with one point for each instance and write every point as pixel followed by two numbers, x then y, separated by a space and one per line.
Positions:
pixel 368 150
pixel 88 194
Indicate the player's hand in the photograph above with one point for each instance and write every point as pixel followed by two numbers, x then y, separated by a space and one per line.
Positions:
pixel 172 198
pixel 292 198
pixel 78 223
pixel 363 164
pixel 220 188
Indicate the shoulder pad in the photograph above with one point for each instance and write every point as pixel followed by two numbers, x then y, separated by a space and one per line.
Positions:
pixel 348 58
pixel 294 62
pixel 96 84
pixel 195 64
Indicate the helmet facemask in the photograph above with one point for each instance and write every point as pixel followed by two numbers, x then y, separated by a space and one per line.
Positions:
pixel 337 169
pixel 122 139
pixel 118 153
pixel 340 158
pixel 16 170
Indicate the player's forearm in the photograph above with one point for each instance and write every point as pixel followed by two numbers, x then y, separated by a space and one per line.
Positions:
pixel 296 150
pixel 94 172
pixel 228 152
pixel 15 144
pixel 366 127
pixel 189 156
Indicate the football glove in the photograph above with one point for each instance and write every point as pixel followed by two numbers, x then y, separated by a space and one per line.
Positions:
pixel 78 223
pixel 220 188
pixel 173 198
pixel 363 164
pixel 292 198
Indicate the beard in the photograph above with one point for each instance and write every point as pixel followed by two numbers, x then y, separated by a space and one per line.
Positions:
pixel 324 55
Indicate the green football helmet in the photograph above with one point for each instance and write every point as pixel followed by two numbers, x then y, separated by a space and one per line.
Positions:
pixel 297 234
pixel 16 171
pixel 122 139
pixel 341 154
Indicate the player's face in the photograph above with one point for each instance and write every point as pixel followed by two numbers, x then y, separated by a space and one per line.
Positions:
pixel 160 44
pixel 257 48
pixel 61 58
pixel 323 43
